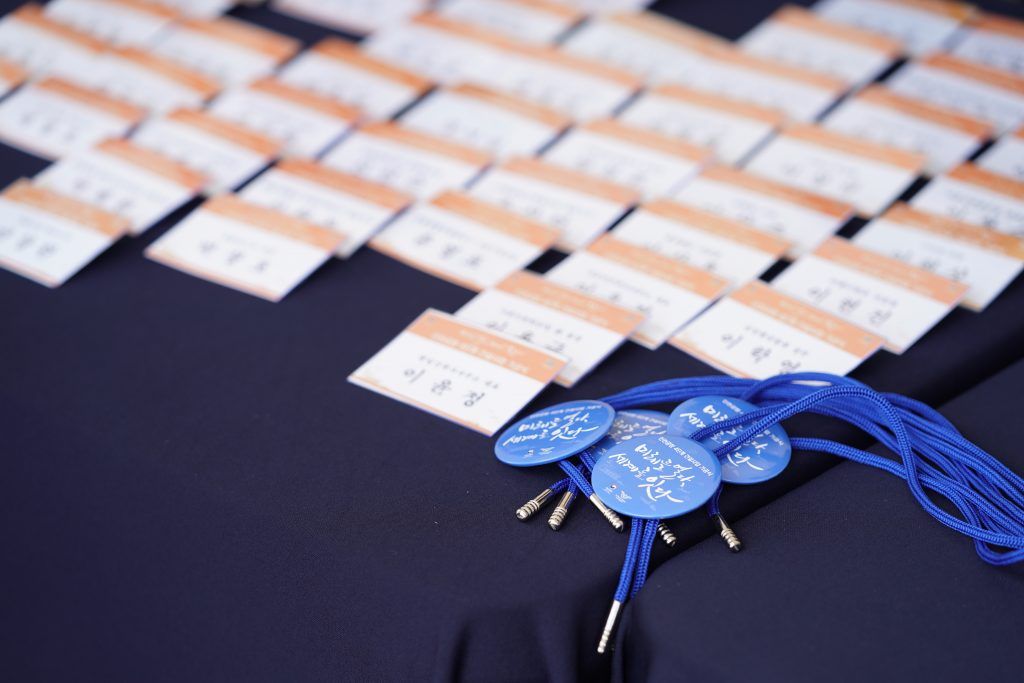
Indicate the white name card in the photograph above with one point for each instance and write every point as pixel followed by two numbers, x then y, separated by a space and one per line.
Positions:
pixel 459 371
pixel 118 22
pixel 582 328
pixel 994 41
pixel 534 21
pixel 1005 156
pixel 758 332
pixel 868 175
pixel 668 293
pixel 464 240
pixel 47 237
pixel 922 26
pixel 146 80
pixel 578 206
pixel 44 47
pixel 246 247
pixel 973 195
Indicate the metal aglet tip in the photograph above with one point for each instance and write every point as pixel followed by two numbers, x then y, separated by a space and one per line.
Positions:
pixel 609 628
pixel 561 510
pixel 667 536
pixel 608 513
pixel 727 534
pixel 530 507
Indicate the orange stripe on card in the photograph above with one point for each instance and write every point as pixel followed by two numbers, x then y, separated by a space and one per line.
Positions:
pixel 883 97
pixel 663 28
pixel 245 35
pixel 554 8
pixel 305 98
pixel 954 10
pixel 995 23
pixel 985 238
pixel 808 319
pixel 732 56
pixel 427 143
pixel 460 29
pixel 924 282
pixel 231 207
pixel 810 200
pixel 540 113
pixel 649 139
pixel 491 216
pixel 92 98
pixel 703 98
pixel 718 225
pixel 11 73
pixel 805 20
pixel 33 15
pixel 514 356
pixel 700 282
pixel 151 8
pixel 975 72
pixel 976 175
pixel 153 162
pixel 204 85
pixel 595 311
pixel 816 135
pixel 344 51
pixel 367 190
pixel 568 178
pixel 73 210
pixel 227 130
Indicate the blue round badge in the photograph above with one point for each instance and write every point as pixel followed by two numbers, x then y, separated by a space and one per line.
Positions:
pixel 760 459
pixel 632 424
pixel 554 433
pixel 655 477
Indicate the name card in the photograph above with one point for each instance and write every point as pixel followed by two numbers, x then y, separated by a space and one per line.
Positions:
pixel 583 329
pixel 982 92
pixel 146 80
pixel 798 93
pixel 922 26
pixel 1005 156
pixel 943 136
pixel 464 240
pixel 866 174
pixel 497 124
pixel 973 195
pixel 994 41
pixel 652 46
pixel 225 153
pixel 647 162
pixel 118 22
pixel 668 293
pixel 139 185
pixel 578 206
pixel 884 295
pixel 339 70
pixel 44 47
pixel 228 50
pixel 731 129
pixel 47 237
pixel 800 38
pixel 352 16
pixel 534 21
pixel 304 123
pixel 707 241
pixel 459 371
pixel 804 219
pixel 758 332
pixel 985 260
pixel 246 247
pixel 415 163
pixel 343 203
pixel 53 117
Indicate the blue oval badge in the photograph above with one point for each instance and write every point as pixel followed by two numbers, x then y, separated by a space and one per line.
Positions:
pixel 554 433
pixel 760 459
pixel 655 477
pixel 632 424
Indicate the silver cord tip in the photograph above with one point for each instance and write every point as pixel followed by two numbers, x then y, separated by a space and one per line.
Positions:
pixel 666 535
pixel 609 514
pixel 561 510
pixel 530 507
pixel 609 628
pixel 727 534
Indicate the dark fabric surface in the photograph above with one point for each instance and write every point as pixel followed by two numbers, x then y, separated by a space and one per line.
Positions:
pixel 192 491
pixel 845 579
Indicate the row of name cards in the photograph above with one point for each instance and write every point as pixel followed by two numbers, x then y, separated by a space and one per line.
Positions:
pixel 48 237
pixel 464 240
pixel 463 372
pixel 582 328
pixel 245 246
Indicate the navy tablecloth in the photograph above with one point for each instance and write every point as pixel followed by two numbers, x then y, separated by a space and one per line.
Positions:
pixel 192 491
